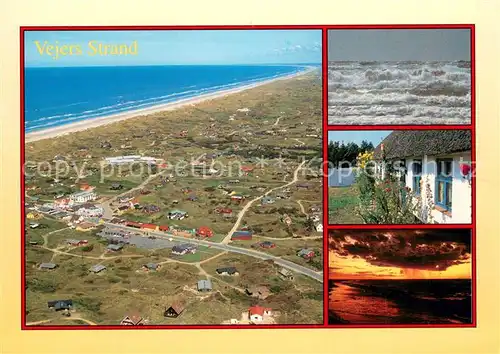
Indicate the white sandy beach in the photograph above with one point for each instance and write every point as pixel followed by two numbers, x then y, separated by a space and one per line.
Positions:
pixel 96 122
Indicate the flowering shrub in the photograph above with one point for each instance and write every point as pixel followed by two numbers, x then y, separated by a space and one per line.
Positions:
pixel 384 202
pixel 364 158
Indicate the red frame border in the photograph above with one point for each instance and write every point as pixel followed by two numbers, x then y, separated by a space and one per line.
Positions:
pixel 326 128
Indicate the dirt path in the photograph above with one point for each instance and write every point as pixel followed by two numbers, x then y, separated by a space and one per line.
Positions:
pixel 108 211
pixel 299 141
pixel 277 121
pixel 194 264
pixel 80 319
pixel 208 276
pixel 64 318
pixel 302 209
pixel 56 251
pixel 241 214
pixel 45 240
pixel 38 322
pixel 213 257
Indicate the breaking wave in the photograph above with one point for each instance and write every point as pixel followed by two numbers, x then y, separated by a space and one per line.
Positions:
pixel 413 91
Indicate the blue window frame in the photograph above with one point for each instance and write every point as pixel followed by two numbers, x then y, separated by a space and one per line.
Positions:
pixel 417 176
pixel 444 183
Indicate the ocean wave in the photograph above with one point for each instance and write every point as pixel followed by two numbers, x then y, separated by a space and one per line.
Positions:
pixel 422 91
pixel 384 76
pixel 397 97
pixel 395 111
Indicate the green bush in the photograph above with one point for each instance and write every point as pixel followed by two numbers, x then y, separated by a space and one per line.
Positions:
pixel 275 289
pixel 42 285
pixel 87 248
pixel 88 303
pixel 114 279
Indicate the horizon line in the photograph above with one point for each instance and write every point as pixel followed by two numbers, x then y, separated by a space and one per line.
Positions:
pixel 142 65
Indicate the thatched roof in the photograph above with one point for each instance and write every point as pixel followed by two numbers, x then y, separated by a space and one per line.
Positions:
pixel 408 143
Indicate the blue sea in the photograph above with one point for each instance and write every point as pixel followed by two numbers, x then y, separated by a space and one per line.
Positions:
pixel 58 96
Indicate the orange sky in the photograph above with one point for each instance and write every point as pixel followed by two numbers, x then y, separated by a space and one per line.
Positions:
pixel 349 267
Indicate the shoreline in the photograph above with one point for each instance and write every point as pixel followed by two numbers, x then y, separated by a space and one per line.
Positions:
pixel 117 117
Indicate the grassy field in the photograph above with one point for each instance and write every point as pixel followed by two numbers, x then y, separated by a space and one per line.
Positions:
pixel 236 139
pixel 342 202
pixel 105 298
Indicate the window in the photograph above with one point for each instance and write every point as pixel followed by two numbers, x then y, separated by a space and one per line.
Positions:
pixel 417 175
pixel 444 182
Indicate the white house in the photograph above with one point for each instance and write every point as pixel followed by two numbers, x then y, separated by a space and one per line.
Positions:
pixel 318 227
pixel 122 160
pixel 436 165
pixel 256 314
pixel 90 211
pixel 83 197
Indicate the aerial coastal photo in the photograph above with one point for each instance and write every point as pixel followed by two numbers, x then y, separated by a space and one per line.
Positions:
pixel 405 277
pixel 399 76
pixel 173 178
pixel 400 177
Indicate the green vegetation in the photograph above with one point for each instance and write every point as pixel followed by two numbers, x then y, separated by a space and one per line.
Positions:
pixel 125 286
pixel 342 205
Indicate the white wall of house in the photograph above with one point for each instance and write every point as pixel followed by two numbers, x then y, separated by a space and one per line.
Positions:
pixel 461 209
pixel 97 211
pixel 256 318
pixel 82 197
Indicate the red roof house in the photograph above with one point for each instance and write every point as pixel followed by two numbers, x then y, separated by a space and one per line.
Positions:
pixel 84 186
pixel 246 168
pixel 204 231
pixel 149 226
pixel 133 224
pixel 241 235
pixel 256 313
pixel 133 319
pixel 163 227
pixel 267 244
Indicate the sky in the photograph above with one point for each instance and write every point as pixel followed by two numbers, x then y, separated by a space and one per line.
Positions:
pixel 400 254
pixel 196 47
pixel 399 45
pixel 357 136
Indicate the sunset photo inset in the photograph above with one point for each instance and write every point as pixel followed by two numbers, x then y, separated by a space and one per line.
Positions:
pixel 400 276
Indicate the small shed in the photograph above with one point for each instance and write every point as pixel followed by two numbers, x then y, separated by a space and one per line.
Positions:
pixel 114 247
pixel 174 310
pixel 116 186
pixel 267 244
pixel 260 292
pixel 151 266
pixel 227 271
pixel 204 285
pixel 267 200
pixel 97 268
pixel 184 248
pixel 59 305
pixel 133 319
pixel 285 274
pixel 49 266
pixel 306 253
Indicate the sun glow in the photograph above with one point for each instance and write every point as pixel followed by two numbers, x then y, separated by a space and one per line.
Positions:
pixel 349 267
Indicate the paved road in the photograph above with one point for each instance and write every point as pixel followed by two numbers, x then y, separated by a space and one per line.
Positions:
pixel 225 247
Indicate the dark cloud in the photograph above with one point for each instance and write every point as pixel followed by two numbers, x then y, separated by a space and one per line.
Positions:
pixel 417 249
